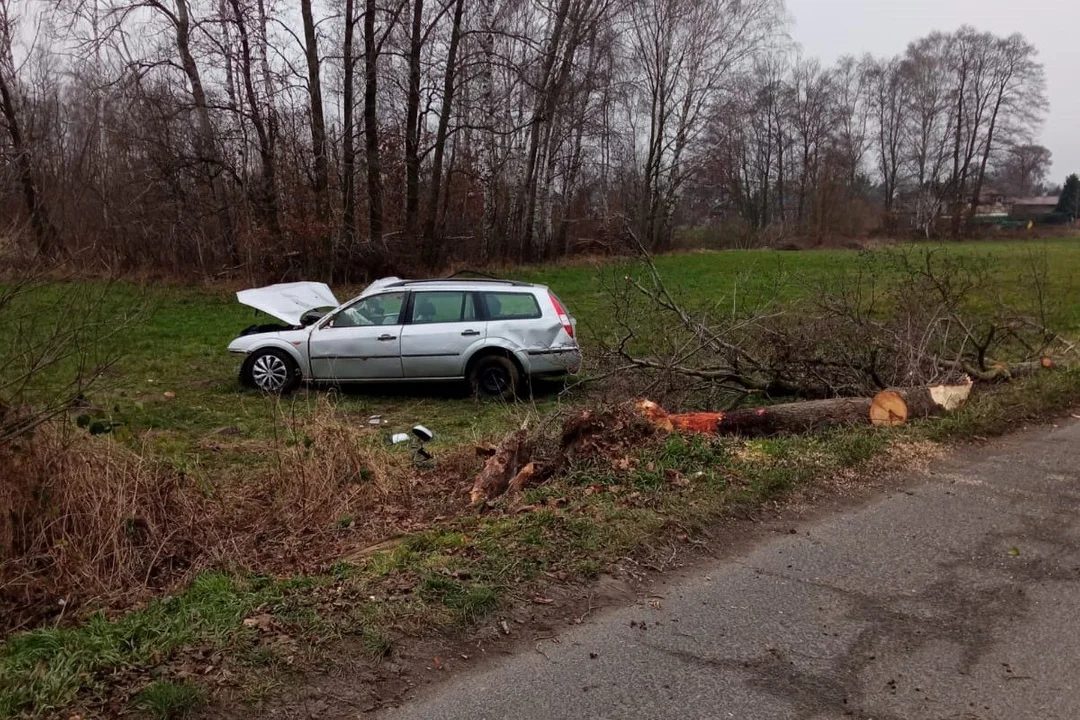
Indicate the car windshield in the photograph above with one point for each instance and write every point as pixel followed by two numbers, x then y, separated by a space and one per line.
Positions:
pixel 376 310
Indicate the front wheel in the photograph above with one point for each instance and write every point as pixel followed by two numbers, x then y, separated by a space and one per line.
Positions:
pixel 495 376
pixel 272 371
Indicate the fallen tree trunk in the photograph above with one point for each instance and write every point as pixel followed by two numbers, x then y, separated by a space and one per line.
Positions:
pixel 890 407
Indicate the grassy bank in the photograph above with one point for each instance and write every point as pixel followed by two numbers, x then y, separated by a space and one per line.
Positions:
pixel 174 399
pixel 258 629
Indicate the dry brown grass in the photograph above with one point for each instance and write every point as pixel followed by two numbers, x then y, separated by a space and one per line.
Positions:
pixel 89 521
pixel 84 517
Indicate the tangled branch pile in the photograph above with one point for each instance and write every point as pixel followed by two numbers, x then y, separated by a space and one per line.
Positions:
pixel 900 319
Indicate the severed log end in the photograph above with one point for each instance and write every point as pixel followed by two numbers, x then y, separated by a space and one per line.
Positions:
pixel 888 409
pixel 504 465
pixel 950 397
pixel 654 414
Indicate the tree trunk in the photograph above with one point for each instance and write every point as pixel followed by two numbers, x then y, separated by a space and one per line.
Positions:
pixel 487 160
pixel 371 127
pixel 44 233
pixel 542 112
pixel 510 458
pixel 264 131
pixel 430 251
pixel 412 124
pixel 321 181
pixel 808 416
pixel 207 146
pixel 348 151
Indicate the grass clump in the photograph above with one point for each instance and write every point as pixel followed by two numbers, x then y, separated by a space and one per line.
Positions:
pixel 170 700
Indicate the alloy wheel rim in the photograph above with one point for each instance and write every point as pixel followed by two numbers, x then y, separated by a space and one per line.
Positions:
pixel 269 372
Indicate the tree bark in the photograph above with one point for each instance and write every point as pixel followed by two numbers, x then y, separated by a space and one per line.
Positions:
pixel 430 251
pixel 371 127
pixel 348 151
pixel 44 233
pixel 412 124
pixel 264 130
pixel 487 160
pixel 321 180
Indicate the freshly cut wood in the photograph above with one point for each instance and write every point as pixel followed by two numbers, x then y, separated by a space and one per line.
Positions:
pixel 889 407
pixel 786 418
pixel 654 414
pixel 522 480
pixel 950 397
pixel 509 459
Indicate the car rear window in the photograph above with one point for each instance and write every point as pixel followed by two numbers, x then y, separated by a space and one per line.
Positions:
pixel 442 307
pixel 510 306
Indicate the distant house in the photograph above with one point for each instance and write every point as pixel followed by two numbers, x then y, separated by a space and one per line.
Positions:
pixel 992 204
pixel 1031 208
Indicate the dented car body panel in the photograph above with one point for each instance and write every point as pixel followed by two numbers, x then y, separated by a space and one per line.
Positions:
pixel 417 330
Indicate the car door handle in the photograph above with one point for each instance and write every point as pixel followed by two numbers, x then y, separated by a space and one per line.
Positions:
pixel 387 337
pixel 470 333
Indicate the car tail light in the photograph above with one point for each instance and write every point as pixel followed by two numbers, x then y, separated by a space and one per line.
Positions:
pixel 563 317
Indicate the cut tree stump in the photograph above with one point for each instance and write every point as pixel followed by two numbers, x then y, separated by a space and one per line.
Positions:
pixel 504 465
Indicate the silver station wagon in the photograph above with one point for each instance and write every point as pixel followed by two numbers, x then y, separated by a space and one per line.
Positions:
pixel 493 334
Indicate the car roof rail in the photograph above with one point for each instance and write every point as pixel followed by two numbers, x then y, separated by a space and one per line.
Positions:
pixel 477 273
pixel 454 279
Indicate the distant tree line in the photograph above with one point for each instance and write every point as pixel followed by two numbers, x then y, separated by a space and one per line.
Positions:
pixel 350 137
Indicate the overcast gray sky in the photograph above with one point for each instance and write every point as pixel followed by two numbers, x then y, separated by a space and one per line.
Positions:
pixel 830 28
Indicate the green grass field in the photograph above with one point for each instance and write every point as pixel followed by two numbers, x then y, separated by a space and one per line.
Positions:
pixel 176 341
pixel 460 569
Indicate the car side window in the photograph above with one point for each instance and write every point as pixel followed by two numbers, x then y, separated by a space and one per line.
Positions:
pixel 442 307
pixel 510 306
pixel 376 310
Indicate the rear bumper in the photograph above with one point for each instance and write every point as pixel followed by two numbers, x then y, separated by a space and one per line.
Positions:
pixel 554 361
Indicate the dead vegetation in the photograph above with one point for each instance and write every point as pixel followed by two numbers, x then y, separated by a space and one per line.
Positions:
pixel 90 522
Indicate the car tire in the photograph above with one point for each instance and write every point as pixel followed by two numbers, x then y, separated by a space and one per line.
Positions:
pixel 272 371
pixel 495 376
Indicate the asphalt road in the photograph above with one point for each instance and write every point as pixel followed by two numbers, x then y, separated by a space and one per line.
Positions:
pixel 956 597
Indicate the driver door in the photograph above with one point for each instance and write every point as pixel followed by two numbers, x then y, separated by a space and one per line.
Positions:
pixel 360 342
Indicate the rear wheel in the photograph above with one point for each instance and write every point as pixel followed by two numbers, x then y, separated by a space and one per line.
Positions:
pixel 272 371
pixel 495 376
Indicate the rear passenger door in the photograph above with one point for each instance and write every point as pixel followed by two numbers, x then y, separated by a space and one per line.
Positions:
pixel 439 327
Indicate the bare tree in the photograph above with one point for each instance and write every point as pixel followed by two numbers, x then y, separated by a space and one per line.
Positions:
pixel 21 146
pixel 318 123
pixel 1022 170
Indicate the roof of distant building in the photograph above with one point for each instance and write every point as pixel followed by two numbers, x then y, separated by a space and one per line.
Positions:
pixel 1042 200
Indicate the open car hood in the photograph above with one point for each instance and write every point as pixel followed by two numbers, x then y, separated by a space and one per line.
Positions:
pixel 289 301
